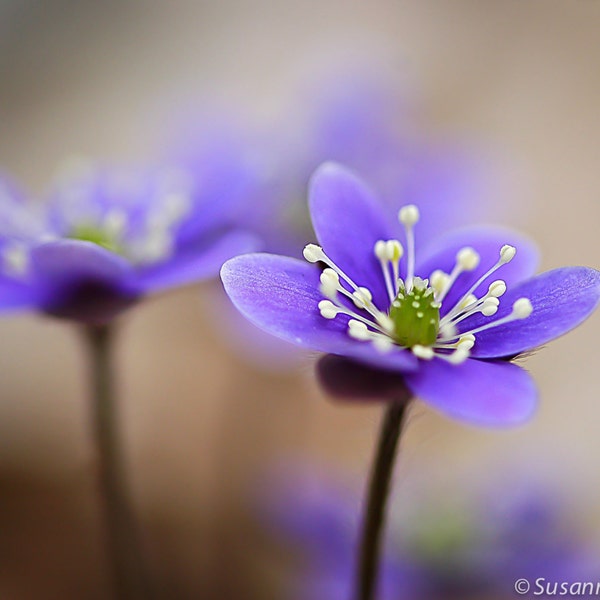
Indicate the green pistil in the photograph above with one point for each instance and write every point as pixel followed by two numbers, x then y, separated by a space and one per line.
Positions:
pixel 87 233
pixel 416 316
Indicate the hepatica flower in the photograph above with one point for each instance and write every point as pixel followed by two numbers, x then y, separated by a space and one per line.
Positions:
pixel 449 315
pixel 106 239
pixel 474 549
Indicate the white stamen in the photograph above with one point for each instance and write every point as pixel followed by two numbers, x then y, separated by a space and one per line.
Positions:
pixel 313 253
pixel 497 288
pixel 382 343
pixel 521 309
pixel 409 216
pixel 115 222
pixel 424 352
pixel 507 253
pixel 328 309
pixel 358 330
pixel 381 253
pixel 15 258
pixel 468 259
pixel 330 282
pixel 457 357
pixel 362 298
pixel 439 280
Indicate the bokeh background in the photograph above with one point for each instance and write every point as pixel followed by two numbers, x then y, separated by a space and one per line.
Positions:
pixel 203 425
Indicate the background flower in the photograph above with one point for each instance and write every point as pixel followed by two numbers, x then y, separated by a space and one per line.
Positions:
pixel 107 238
pixel 468 545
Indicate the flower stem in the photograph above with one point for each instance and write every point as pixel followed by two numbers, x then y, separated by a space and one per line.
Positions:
pixel 125 554
pixel 378 490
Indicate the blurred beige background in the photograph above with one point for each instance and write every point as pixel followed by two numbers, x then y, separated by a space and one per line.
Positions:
pixel 202 426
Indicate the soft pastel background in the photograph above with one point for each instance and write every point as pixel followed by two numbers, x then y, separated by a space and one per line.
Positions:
pixel 202 426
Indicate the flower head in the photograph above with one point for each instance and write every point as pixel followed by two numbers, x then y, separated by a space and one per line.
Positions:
pixel 105 239
pixel 448 317
pixel 475 547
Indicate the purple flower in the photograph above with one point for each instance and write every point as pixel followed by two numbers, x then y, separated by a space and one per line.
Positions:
pixel 472 549
pixel 105 239
pixel 448 318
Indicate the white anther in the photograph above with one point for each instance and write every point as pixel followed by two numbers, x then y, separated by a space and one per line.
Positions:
pixel 16 259
pixel 468 259
pixel 409 215
pixel 466 343
pixel 330 283
pixel 497 288
pixel 393 250
pixel 177 205
pixel 385 322
pixel 522 308
pixel 489 308
pixel 382 344
pixel 468 301
pixel 358 330
pixel 328 309
pixel 157 246
pixel 424 352
pixel 507 253
pixel 439 280
pixel 380 250
pixel 115 222
pixel 313 253
pixel 447 331
pixel 362 297
pixel 458 356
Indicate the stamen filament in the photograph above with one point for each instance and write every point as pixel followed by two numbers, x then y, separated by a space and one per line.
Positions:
pixel 521 310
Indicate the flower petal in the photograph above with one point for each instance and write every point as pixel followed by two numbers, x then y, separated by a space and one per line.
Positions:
pixel 281 295
pixel 482 393
pixel 81 280
pixel 561 300
pixel 16 295
pixel 346 379
pixel 487 241
pixel 194 264
pixel 348 221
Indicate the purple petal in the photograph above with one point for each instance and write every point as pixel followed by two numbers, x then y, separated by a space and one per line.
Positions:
pixel 81 280
pixel 16 294
pixel 482 393
pixel 281 295
pixel 487 241
pixel 346 379
pixel 561 300
pixel 348 221
pixel 194 265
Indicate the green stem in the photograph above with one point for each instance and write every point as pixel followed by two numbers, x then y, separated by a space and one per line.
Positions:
pixel 378 491
pixel 123 545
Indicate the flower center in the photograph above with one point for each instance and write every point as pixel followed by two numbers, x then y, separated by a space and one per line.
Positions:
pixel 96 235
pixel 413 316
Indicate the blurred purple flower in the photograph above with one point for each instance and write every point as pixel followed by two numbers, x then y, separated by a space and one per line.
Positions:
pixel 465 552
pixel 107 238
pixel 362 121
pixel 449 337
